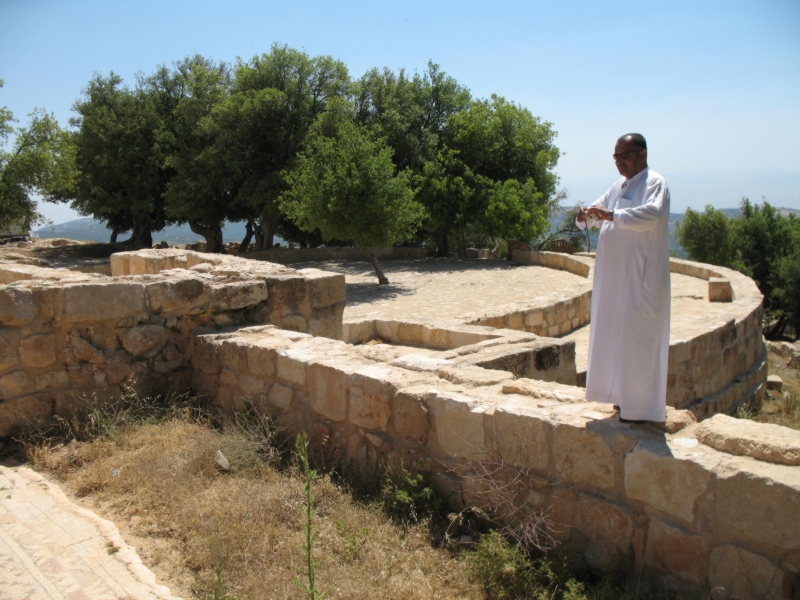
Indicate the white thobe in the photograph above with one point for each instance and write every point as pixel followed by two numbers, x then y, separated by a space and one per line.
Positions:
pixel 629 335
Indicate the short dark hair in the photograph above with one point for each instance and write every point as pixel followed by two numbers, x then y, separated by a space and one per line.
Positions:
pixel 637 139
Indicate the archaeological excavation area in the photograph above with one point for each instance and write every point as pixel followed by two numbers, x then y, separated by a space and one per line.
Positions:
pixel 455 365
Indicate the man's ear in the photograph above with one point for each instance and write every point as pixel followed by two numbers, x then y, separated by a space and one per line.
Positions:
pixel 643 154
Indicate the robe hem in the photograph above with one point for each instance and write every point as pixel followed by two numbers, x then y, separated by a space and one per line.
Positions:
pixel 628 413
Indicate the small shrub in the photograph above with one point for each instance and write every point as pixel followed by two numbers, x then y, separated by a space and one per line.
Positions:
pixel 409 496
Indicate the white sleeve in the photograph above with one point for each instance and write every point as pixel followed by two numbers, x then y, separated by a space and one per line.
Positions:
pixel 649 214
pixel 601 201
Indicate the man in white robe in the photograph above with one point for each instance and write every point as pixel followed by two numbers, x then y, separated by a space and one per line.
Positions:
pixel 629 335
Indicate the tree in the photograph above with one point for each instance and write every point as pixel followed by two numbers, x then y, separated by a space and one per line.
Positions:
pixel 495 173
pixel 706 236
pixel 197 193
pixel 117 161
pixel 33 165
pixel 760 243
pixel 411 115
pixel 346 185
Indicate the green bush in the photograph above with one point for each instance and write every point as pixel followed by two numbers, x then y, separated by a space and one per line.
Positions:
pixel 409 496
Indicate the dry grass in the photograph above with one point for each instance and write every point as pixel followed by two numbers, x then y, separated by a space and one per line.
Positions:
pixel 779 408
pixel 242 530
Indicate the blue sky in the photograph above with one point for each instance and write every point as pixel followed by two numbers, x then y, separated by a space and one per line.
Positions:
pixel 713 85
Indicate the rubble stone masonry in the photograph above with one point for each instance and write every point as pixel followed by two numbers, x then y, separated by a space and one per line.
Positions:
pixel 698 506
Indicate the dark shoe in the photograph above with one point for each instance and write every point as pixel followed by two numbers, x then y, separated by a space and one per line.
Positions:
pixel 634 422
pixel 615 407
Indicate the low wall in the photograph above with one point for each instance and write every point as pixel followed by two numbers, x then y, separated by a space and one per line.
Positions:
pixel 715 505
pixel 293 255
pixel 721 366
pixel 74 334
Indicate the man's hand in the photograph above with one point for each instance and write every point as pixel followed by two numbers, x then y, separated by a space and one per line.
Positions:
pixel 600 213
pixel 581 217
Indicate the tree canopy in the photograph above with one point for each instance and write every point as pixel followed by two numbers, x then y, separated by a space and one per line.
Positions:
pixel 203 142
pixel 761 243
pixel 32 166
pixel 346 185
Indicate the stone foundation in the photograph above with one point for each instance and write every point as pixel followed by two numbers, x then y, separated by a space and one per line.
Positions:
pixel 696 507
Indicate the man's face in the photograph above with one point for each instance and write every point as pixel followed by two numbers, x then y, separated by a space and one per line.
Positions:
pixel 629 159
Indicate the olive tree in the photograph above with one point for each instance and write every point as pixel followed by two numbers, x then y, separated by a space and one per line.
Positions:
pixel 345 185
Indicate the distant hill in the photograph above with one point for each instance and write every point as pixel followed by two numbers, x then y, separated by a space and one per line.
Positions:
pixel 89 229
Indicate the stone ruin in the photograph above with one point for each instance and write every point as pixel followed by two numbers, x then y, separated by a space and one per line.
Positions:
pixel 707 503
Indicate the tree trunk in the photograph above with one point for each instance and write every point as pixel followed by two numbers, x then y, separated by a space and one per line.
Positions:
pixel 114 234
pixel 382 280
pixel 213 235
pixel 265 233
pixel 493 253
pixel 442 247
pixel 248 236
pixel 142 235
pixel 462 244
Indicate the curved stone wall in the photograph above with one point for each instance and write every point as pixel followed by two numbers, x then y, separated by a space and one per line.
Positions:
pixel 720 364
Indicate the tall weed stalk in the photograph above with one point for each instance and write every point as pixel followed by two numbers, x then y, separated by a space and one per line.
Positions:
pixel 310 476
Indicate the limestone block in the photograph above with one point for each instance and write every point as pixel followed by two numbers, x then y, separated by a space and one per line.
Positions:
pixel 410 413
pixel 459 425
pixel 327 388
pixel 747 438
pixel 534 319
pixel 667 476
pixel 78 350
pixel 281 396
pixel 175 294
pixel 678 420
pixel 118 371
pixel 738 573
pixel 233 353
pixel 228 377
pixel 145 340
pixel 473 376
pixel 50 301
pixel 291 365
pixel 680 554
pixel 286 291
pixel 251 386
pixel 17 307
pixel 719 290
pixel 8 355
pixel 102 337
pixel 327 321
pixel 582 456
pixel 760 501
pixel 237 294
pixel 52 380
pixel 774 383
pixel 324 288
pixel 370 409
pixel 295 323
pixel 545 390
pixel 261 355
pixel 24 412
pixel 523 434
pixel 420 362
pixel 100 301
pixel 410 333
pixel 38 350
pixel 13 384
pixel 610 532
pixel 120 264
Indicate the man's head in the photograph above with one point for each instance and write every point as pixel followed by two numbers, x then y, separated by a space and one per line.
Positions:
pixel 630 154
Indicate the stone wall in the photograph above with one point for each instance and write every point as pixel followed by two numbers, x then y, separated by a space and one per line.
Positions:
pixel 64 334
pixel 722 364
pixel 697 507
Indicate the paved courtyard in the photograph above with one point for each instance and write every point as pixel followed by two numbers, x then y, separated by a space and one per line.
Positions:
pixel 447 290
